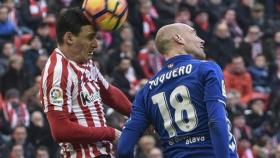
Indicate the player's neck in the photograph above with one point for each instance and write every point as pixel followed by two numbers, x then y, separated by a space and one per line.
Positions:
pixel 174 53
pixel 67 52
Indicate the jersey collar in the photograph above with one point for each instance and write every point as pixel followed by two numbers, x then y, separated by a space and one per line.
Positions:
pixel 178 58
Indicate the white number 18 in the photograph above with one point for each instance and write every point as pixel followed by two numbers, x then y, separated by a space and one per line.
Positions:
pixel 180 105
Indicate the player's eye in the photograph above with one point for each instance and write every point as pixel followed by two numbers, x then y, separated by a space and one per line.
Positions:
pixel 91 36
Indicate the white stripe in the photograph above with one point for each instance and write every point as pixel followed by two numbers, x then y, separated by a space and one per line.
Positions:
pixel 91 153
pixel 83 151
pixel 101 147
pixel 75 104
pixel 77 67
pixel 57 76
pixel 73 154
pixel 69 84
pixel 44 84
pixel 93 110
pixel 221 101
pixel 101 78
pixel 111 147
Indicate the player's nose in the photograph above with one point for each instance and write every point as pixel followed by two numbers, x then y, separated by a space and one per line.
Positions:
pixel 94 43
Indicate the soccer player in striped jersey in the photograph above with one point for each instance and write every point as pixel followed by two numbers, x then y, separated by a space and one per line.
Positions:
pixel 73 91
pixel 184 101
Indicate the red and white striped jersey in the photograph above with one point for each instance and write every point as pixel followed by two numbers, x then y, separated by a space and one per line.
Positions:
pixel 72 88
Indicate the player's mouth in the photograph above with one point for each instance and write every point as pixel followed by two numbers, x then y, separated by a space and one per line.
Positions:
pixel 90 54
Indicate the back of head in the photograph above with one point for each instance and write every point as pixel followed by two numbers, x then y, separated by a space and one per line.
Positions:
pixel 176 39
pixel 70 20
pixel 164 37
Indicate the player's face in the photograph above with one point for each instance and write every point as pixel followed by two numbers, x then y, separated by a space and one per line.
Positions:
pixel 193 44
pixel 85 43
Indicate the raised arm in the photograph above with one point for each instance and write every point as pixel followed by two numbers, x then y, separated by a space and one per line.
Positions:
pixel 113 97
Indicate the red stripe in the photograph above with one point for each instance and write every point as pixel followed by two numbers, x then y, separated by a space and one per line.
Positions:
pixel 86 150
pixel 99 113
pixel 73 116
pixel 85 109
pixel 107 146
pixel 95 150
pixel 63 86
pixel 100 116
pixel 79 154
pixel 96 105
pixel 63 83
pixel 53 61
pixel 77 148
pixel 66 153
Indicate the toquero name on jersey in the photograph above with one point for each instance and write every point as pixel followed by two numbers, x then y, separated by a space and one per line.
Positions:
pixel 179 71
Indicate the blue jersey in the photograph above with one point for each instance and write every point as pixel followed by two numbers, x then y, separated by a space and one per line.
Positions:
pixel 185 102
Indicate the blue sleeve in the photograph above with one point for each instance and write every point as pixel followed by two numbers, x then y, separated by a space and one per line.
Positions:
pixel 134 128
pixel 214 96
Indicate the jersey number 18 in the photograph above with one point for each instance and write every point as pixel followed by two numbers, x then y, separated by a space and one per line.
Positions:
pixel 179 99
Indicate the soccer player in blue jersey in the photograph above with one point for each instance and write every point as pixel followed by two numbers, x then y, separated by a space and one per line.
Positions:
pixel 184 101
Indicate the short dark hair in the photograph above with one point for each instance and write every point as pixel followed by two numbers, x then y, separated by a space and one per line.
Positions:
pixel 70 20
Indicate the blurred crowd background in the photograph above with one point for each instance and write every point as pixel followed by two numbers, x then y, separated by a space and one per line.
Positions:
pixel 242 36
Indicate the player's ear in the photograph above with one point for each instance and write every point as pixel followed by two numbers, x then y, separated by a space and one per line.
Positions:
pixel 178 38
pixel 69 38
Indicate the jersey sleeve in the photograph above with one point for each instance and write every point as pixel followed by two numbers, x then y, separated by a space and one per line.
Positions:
pixel 214 97
pixel 134 128
pixel 112 96
pixel 56 85
pixel 100 78
pixel 213 79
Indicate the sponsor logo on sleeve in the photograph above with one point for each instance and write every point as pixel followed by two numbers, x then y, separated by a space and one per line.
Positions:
pixel 56 96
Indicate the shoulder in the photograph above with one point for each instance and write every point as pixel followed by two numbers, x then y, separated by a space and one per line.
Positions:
pixel 53 63
pixel 209 66
pixel 141 95
pixel 55 68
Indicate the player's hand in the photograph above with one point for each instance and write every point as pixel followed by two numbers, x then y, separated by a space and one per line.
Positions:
pixel 117 136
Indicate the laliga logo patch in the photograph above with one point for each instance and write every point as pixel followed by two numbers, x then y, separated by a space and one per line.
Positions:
pixel 56 96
